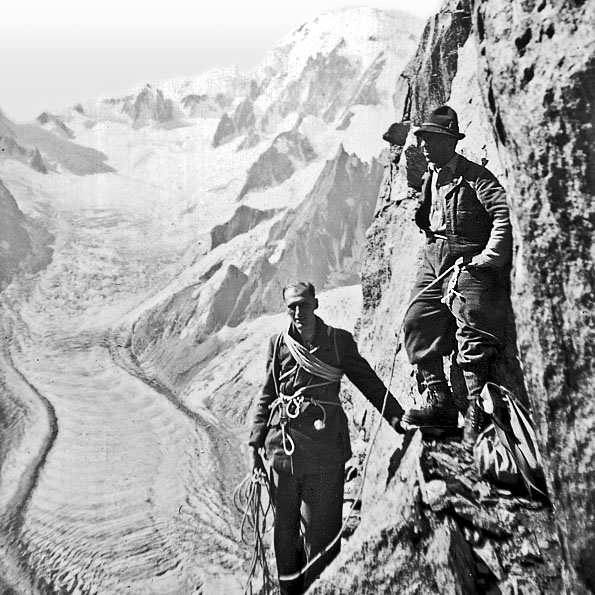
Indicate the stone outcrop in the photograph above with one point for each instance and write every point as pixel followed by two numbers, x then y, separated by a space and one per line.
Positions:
pixel 170 335
pixel 288 152
pixel 525 100
pixel 151 107
pixel 11 149
pixel 204 106
pixel 23 245
pixel 55 125
pixel 230 127
pixel 244 219
pixel 15 244
pixel 44 151
pixel 226 130
pixel 439 528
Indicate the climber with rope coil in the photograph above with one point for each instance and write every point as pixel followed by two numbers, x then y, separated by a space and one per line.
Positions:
pixel 302 428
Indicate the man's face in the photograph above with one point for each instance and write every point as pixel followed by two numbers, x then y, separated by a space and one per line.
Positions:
pixel 437 148
pixel 394 152
pixel 301 311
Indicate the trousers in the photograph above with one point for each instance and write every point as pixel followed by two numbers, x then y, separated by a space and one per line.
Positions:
pixel 474 324
pixel 308 516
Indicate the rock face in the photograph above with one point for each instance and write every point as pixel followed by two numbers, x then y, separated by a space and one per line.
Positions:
pixel 11 149
pixel 324 87
pixel 244 219
pixel 150 106
pixel 530 56
pixel 527 109
pixel 170 335
pixel 44 150
pixel 331 222
pixel 231 127
pixel 15 245
pixel 204 106
pixel 288 152
pixel 321 241
pixel 55 125
pixel 440 529
pixel 23 246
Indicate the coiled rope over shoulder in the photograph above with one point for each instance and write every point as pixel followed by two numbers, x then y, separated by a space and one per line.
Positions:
pixel 309 362
pixel 290 406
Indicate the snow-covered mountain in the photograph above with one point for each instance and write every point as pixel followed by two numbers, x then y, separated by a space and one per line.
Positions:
pixel 178 211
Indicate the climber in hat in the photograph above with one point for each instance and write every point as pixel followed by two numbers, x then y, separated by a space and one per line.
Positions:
pixel 301 427
pixel 396 137
pixel 465 216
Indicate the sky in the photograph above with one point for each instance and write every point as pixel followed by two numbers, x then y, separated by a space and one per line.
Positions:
pixel 56 53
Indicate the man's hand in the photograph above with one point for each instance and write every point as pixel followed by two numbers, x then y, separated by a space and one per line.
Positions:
pixel 472 262
pixel 257 462
pixel 395 424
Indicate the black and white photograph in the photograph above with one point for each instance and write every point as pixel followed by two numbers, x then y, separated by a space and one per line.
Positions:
pixel 297 298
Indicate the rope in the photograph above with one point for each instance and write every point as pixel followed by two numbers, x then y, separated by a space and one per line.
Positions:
pixel 247 498
pixel 447 300
pixel 291 405
pixel 337 537
pixel 309 362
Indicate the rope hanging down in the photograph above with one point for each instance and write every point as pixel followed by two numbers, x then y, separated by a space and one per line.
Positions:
pixel 248 500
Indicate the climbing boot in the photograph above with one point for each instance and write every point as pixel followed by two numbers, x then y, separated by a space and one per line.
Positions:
pixel 475 422
pixel 440 411
pixel 475 418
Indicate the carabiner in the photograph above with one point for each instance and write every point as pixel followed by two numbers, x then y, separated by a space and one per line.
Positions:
pixel 294 407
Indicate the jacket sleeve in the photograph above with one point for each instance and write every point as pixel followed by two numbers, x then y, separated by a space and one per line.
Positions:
pixel 422 214
pixel 359 371
pixel 492 196
pixel 259 428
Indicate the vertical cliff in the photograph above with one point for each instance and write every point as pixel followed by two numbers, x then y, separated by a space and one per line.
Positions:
pixel 521 76
pixel 538 71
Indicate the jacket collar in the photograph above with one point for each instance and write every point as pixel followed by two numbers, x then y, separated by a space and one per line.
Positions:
pixel 449 168
pixel 320 333
pixel 459 174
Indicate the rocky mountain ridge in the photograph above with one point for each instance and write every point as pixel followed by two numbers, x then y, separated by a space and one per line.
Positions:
pixel 173 331
pixel 48 150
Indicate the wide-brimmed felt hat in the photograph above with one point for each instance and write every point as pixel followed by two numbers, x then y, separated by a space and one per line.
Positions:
pixel 397 134
pixel 442 120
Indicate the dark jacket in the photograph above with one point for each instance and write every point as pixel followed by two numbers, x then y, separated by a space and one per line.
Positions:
pixel 477 214
pixel 315 449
